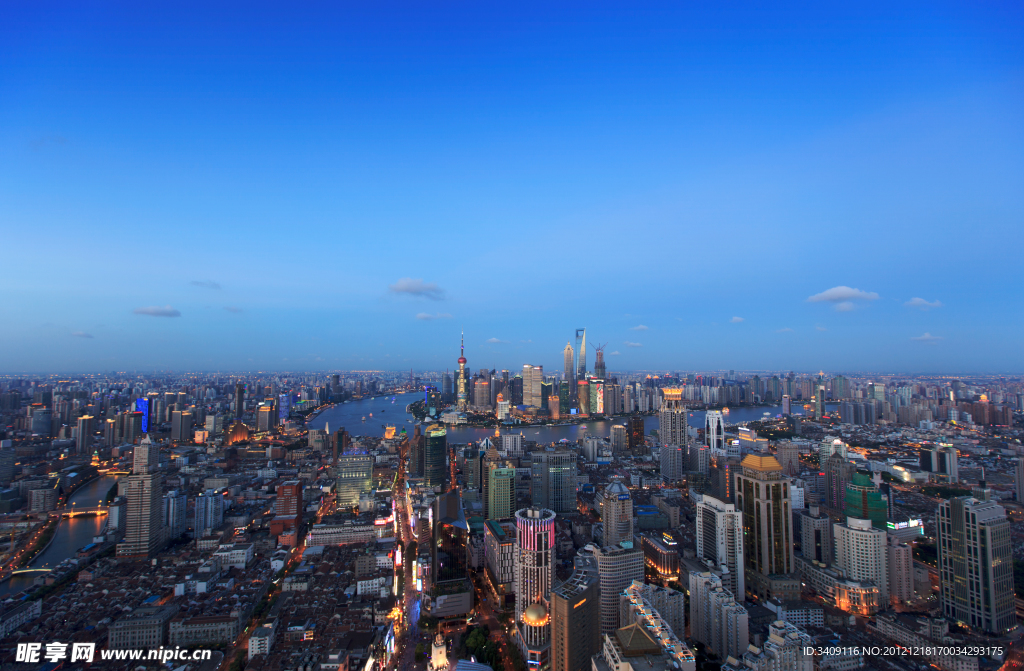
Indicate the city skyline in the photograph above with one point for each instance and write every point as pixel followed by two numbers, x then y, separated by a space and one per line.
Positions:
pixel 807 188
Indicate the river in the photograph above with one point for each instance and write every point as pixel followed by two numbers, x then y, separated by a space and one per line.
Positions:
pixel 73 533
pixel 384 412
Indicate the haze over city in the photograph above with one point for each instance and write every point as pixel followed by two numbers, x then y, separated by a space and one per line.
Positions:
pixel 240 187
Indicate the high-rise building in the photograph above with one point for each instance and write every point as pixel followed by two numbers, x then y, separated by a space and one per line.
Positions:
pixel 975 563
pixel 838 473
pixel 786 405
pixel 600 370
pixel 84 439
pixel 174 513
pixel 462 379
pixel 714 430
pixel 500 561
pixel 287 508
pixel 353 476
pixel 535 574
pixel 617 514
pixel 209 512
pixel 144 530
pixel 762 494
pixel 618 567
pixel 620 439
pixel 266 418
pixel 719 535
pixel 145 457
pixel 581 363
pixel 861 554
pixel 716 620
pixel 501 495
pixel 450 549
pixel 900 561
pixel 672 418
pixel 673 465
pixel 568 368
pixel 865 502
pixel 553 480
pixel 576 617
pixel 787 648
pixel 636 433
pixel 435 456
pixel 239 400
pixel 181 426
pixel 533 378
pixel 816 541
pixel 788 455
pixel 1018 479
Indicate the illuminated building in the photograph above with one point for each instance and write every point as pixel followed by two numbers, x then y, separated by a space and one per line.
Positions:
pixel 975 563
pixel 500 561
pixel 583 396
pixel 144 530
pixel 438 654
pixel 672 418
pixel 568 368
pixel 719 535
pixel 617 513
pixel 661 557
pixel 714 430
pixel 181 426
pixel 636 432
pixel 236 433
pixel 535 573
pixel 861 554
pixel 575 617
pixel 449 555
pixel 533 378
pixel 435 456
pixel 597 387
pixel 786 405
pixel 209 513
pixel 581 363
pixel 461 379
pixel 553 481
pixel 900 561
pixel 762 495
pixel 646 632
pixel 501 494
pixel 287 508
pixel 838 473
pixel 672 462
pixel 865 502
pixel 353 476
pixel 600 371
pixel 239 400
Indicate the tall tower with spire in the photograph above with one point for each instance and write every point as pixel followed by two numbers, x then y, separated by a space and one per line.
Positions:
pixel 461 383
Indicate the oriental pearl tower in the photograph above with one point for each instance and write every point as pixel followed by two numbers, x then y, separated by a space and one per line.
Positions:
pixel 461 396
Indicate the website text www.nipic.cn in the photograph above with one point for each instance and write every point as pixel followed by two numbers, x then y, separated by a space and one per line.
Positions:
pixel 35 653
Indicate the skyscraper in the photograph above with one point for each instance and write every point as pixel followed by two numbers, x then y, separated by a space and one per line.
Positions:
pixel 719 535
pixel 181 426
pixel 209 512
pixel 449 551
pixel 716 620
pixel 618 568
pixel 84 438
pixel 672 418
pixel 435 456
pixel 462 379
pixel 714 430
pixel 144 531
pixel 816 541
pixel 240 400
pixel 535 574
pixel 501 495
pixel 838 473
pixel 568 367
pixel 672 462
pixel 865 502
pixel 636 432
pixel 617 514
pixel 576 616
pixel 975 563
pixel 861 553
pixel 786 405
pixel 762 495
pixel 581 345
pixel 533 378
pixel 553 480
pixel 1018 479
pixel 600 371
pixel 353 476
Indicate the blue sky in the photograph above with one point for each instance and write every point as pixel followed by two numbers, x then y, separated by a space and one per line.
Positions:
pixel 303 186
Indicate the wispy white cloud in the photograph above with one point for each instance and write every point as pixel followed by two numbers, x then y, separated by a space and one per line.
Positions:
pixel 496 341
pixel 922 304
pixel 615 353
pixel 632 344
pixel 927 338
pixel 156 311
pixel 843 297
pixel 418 288
pixel 232 309
pixel 81 334
pixel 736 320
pixel 820 328
pixel 205 284
pixel 784 330
pixel 639 327
pixel 426 316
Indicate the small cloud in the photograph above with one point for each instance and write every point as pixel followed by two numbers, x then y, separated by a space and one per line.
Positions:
pixel 632 344
pixel 927 338
pixel 156 311
pixel 736 320
pixel 785 330
pixel 842 296
pixel 615 353
pixel 426 316
pixel 41 142
pixel 922 304
pixel 820 328
pixel 232 309
pixel 496 341
pixel 417 287
pixel 525 341
pixel 81 334
pixel 639 327
pixel 205 284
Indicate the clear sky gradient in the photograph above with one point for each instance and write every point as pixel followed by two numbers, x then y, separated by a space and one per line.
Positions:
pixel 302 186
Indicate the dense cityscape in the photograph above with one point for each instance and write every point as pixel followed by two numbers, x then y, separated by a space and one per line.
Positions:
pixel 724 519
